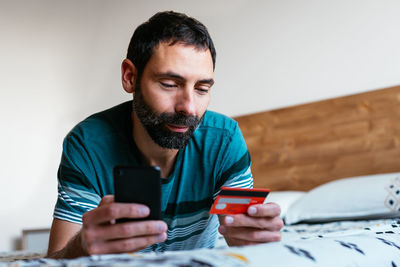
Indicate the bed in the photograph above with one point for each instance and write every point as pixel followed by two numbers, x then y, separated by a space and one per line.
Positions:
pixel 333 166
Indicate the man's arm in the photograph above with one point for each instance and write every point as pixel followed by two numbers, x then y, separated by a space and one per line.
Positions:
pixel 261 223
pixel 64 240
pixel 99 234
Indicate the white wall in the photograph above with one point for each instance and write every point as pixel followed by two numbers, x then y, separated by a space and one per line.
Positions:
pixel 59 62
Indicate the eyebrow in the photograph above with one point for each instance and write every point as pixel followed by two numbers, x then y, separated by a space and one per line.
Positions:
pixel 176 76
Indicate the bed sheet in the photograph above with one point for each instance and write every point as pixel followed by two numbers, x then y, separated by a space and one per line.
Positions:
pixel 346 243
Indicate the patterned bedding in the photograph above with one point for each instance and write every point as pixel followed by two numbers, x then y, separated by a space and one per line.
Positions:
pixel 346 243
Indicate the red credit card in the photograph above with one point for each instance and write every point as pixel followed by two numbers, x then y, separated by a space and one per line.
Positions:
pixel 237 200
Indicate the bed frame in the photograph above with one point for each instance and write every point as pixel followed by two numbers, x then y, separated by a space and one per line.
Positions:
pixel 301 147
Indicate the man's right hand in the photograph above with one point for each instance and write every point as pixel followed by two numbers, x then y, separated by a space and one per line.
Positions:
pixel 101 235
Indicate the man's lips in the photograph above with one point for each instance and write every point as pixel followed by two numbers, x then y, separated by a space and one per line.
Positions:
pixel 177 128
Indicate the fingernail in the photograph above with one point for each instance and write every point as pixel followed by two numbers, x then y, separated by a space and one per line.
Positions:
pixel 278 210
pixel 161 237
pixel 228 220
pixel 252 210
pixel 144 211
pixel 161 227
pixel 278 237
pixel 222 230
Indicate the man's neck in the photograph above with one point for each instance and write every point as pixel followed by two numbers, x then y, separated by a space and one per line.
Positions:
pixel 153 154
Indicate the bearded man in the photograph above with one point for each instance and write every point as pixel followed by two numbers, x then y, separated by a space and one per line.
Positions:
pixel 169 69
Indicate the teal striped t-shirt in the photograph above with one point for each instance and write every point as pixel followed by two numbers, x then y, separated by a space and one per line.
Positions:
pixel 215 156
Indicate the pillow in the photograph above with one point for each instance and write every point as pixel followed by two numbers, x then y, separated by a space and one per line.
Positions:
pixel 363 197
pixel 284 199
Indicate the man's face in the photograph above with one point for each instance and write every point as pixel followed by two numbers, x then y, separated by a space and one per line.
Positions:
pixel 174 93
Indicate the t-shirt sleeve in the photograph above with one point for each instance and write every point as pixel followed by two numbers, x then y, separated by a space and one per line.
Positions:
pixel 76 193
pixel 235 165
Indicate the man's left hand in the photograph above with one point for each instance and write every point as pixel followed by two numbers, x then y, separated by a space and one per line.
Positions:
pixel 261 224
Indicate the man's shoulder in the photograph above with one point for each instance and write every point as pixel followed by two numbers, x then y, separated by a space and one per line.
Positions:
pixel 109 121
pixel 215 120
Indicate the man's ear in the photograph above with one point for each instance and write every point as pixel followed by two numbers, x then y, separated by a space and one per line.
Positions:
pixel 128 75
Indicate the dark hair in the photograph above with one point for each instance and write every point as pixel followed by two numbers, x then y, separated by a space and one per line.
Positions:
pixel 167 26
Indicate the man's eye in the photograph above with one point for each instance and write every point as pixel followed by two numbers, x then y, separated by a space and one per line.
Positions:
pixel 203 91
pixel 168 85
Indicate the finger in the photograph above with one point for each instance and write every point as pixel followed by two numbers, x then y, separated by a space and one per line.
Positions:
pixel 250 234
pixel 106 200
pixel 241 242
pixel 124 230
pixel 125 245
pixel 113 211
pixel 243 220
pixel 264 210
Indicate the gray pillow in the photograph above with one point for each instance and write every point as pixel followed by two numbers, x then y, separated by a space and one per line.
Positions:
pixel 363 197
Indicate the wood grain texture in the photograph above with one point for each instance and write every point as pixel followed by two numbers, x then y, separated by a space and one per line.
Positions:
pixel 300 147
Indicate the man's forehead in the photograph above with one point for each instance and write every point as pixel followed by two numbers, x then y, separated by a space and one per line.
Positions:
pixel 182 58
pixel 171 48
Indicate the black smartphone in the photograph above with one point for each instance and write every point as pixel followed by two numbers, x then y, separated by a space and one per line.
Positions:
pixel 138 185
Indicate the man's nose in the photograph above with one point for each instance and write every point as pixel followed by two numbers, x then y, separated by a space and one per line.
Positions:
pixel 185 102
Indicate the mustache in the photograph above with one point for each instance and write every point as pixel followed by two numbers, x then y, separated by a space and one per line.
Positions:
pixel 178 119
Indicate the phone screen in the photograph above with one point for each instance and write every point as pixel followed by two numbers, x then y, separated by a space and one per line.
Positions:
pixel 140 185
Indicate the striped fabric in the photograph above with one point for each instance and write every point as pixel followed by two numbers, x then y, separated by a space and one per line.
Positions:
pixel 216 156
pixel 72 203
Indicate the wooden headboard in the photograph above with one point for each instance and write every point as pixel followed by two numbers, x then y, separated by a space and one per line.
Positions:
pixel 300 147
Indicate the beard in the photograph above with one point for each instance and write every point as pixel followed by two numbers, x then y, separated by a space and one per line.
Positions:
pixel 156 124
